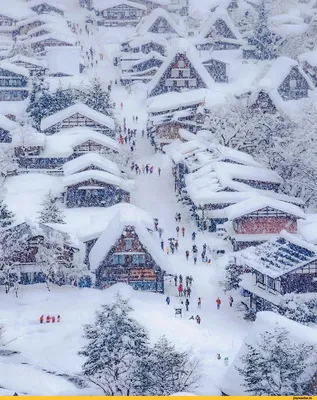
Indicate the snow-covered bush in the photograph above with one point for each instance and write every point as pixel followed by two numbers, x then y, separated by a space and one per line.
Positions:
pixel 50 211
pixel 233 273
pixel 299 309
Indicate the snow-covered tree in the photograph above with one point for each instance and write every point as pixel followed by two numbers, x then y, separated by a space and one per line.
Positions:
pixel 61 99
pixel 233 273
pixel 98 98
pixel 41 102
pixel 166 370
pixel 116 345
pixel 298 308
pixel 22 48
pixel 6 216
pixel 277 366
pixel 52 256
pixel 50 211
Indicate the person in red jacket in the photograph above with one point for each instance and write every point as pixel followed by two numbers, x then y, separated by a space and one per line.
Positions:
pixel 218 301
pixel 53 319
pixel 48 319
pixel 180 290
pixel 41 319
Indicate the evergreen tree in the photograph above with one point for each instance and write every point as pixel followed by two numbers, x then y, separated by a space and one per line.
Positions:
pixel 22 48
pixel 276 366
pixel 99 99
pixel 167 371
pixel 265 41
pixel 297 309
pixel 116 345
pixel 40 102
pixel 6 216
pixel 50 212
pixel 61 99
pixel 233 273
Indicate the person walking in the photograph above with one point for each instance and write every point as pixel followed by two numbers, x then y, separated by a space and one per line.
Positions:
pixel 230 301
pixel 179 217
pixel 53 319
pixel 193 236
pixel 195 259
pixel 177 231
pixel 189 291
pixel 185 292
pixel 159 171
pixel 162 245
pixel 121 105
pixel 58 318
pixel 160 231
pixel 186 304
pixel 48 319
pixel 136 119
pixel 176 217
pixel 183 231
pixel 41 319
pixel 176 245
pixel 180 279
pixel 199 302
pixel 172 246
pixel 198 319
pixel 187 254
pixel 133 118
pixel 180 289
pixel 191 279
pixel 187 280
pixel 168 300
pixel 167 250
pixel 175 279
pixel 218 301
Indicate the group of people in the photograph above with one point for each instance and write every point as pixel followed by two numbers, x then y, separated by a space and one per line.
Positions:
pixel 204 257
pixel 50 319
pixel 145 169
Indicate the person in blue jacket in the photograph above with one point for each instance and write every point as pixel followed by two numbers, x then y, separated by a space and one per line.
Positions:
pixel 168 300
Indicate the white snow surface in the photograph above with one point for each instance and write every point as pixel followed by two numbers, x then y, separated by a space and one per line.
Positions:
pixel 89 159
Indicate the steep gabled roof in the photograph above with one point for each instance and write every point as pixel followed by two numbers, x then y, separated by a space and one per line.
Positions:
pixel 68 38
pixel 125 217
pixel 7 124
pixel 74 109
pixel 52 3
pixel 14 68
pixel 193 59
pixel 28 60
pixel 146 24
pixel 86 160
pixel 103 5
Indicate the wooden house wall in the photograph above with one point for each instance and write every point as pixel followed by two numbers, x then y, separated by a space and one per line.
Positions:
pixel 264 103
pixel 167 83
pixel 260 185
pixel 6 21
pixel 311 72
pixel 4 136
pixel 121 14
pixel 223 45
pixel 104 195
pixel 26 28
pixel 152 46
pixel 145 276
pixel 300 282
pixel 217 69
pixel 145 65
pixel 221 29
pixel 264 225
pixel 10 79
pixel 80 120
pixel 13 94
pixel 35 70
pixel 237 246
pixel 46 8
pixel 161 25
pixel 287 92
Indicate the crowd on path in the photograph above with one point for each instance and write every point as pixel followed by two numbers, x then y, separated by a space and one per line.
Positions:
pixel 50 319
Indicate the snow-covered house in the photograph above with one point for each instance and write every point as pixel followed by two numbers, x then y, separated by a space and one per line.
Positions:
pixel 159 22
pixel 258 219
pixel 126 252
pixel 13 82
pixel 285 80
pixel 96 188
pixel 46 7
pixel 308 62
pixel 78 115
pixel 217 69
pixel 219 33
pixel 153 4
pixel 6 126
pixel 27 142
pixel 119 12
pixel 145 44
pixel 11 15
pixel 180 7
pixel 29 238
pixel 181 71
pixel 52 39
pixel 69 144
pixel 286 264
pixel 35 66
pixel 233 384
pixel 26 25
pixel 143 70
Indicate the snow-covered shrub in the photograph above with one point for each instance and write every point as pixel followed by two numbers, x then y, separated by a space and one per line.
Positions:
pixel 299 309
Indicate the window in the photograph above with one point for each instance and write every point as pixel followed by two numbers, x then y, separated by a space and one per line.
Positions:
pixel 186 73
pixel 138 259
pixel 193 82
pixel 169 82
pixel 270 283
pixel 128 244
pixel 175 73
pixel 259 278
pixel 181 64
pixel 293 83
pixel 118 259
pixel 181 82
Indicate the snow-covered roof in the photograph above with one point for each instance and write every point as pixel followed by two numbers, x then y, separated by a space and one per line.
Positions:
pixel 125 217
pixel 148 21
pixel 278 72
pixel 59 27
pixel 62 59
pixel 147 38
pixel 279 256
pixel 17 10
pixel 266 321
pixel 7 124
pixel 104 5
pixel 28 60
pixel 68 38
pixel 14 68
pixel 80 109
pixel 220 14
pixel 52 3
pixel 193 57
pixel 100 176
pixel 259 202
pixel 45 18
pixel 86 160
pixel 310 57
pixel 62 143
pixel 27 136
pixel 308 231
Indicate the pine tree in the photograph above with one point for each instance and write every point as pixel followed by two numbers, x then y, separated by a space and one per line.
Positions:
pixel 40 102
pixel 233 273
pixel 99 99
pixel 6 216
pixel 167 371
pixel 116 345
pixel 22 48
pixel 50 212
pixel 276 366
pixel 61 99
